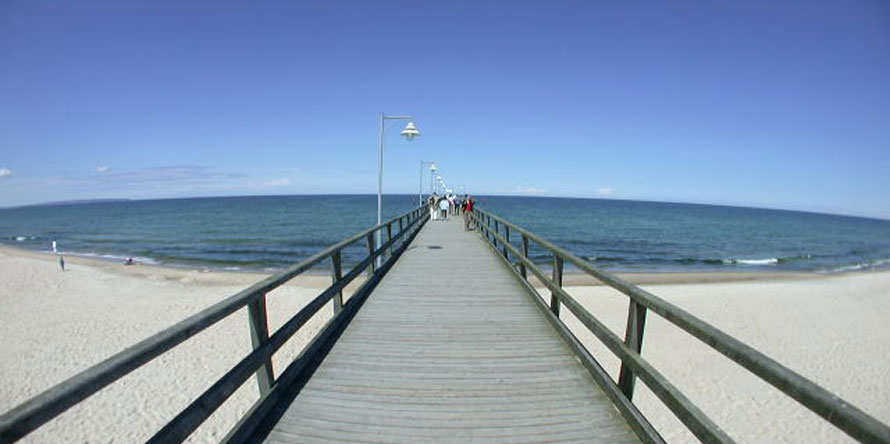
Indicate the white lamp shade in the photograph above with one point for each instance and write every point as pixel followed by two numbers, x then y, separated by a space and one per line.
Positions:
pixel 410 131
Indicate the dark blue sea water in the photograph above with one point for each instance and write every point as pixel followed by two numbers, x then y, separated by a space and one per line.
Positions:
pixel 264 233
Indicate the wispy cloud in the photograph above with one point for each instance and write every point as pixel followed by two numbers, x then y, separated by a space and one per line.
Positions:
pixel 153 181
pixel 282 182
pixel 604 191
pixel 133 183
pixel 5 172
pixel 527 190
pixel 102 169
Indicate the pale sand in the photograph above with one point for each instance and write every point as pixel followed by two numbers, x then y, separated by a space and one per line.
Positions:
pixel 831 329
pixel 55 324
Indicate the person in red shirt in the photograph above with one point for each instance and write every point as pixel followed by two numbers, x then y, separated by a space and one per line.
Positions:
pixel 468 211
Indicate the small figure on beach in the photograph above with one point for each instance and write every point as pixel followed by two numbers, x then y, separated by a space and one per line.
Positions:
pixel 62 262
pixel 129 261
pixel 55 250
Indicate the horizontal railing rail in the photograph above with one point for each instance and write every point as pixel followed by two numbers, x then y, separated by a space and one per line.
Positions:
pixel 35 412
pixel 848 418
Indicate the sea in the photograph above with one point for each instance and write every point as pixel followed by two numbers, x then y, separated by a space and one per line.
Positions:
pixel 268 233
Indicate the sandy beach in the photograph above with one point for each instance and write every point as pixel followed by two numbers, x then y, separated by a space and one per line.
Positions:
pixel 831 329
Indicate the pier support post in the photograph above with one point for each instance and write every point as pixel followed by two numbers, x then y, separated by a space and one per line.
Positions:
pixel 507 239
pixel 522 268
pixel 633 338
pixel 259 334
pixel 373 267
pixel 388 239
pixel 336 275
pixel 557 279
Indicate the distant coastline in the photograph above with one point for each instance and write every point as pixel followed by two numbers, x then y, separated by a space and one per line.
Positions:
pixel 71 202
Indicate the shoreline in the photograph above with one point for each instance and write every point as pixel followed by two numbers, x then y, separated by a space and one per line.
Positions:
pixel 825 327
pixel 318 277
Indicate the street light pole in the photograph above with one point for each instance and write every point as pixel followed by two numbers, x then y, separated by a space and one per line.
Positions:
pixel 433 170
pixel 432 165
pixel 410 132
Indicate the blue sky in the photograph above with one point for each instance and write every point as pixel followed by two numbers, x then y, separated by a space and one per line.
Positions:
pixel 773 104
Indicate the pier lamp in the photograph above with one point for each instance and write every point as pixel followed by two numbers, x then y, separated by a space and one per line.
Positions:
pixel 410 132
pixel 432 165
pixel 432 173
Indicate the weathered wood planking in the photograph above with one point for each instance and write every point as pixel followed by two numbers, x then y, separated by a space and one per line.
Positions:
pixel 450 348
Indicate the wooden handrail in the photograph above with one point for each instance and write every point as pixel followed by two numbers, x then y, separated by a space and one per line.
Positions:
pixel 832 408
pixel 38 410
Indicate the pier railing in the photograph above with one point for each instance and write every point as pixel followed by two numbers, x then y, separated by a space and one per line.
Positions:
pixel 501 233
pixel 395 236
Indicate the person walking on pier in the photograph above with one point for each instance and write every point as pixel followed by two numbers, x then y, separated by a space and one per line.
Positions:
pixel 443 207
pixel 468 211
pixel 434 209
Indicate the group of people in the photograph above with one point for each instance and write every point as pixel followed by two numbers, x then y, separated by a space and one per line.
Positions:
pixel 441 207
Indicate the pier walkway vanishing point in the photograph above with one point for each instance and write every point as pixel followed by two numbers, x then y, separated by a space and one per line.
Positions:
pixel 446 340
pixel 451 349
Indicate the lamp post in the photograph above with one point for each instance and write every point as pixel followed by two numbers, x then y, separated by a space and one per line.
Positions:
pixel 410 132
pixel 433 170
pixel 432 165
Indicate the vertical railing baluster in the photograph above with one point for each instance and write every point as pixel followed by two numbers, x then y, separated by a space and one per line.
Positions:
pixel 507 239
pixel 557 279
pixel 633 338
pixel 259 334
pixel 496 232
pixel 389 238
pixel 373 267
pixel 336 275
pixel 522 268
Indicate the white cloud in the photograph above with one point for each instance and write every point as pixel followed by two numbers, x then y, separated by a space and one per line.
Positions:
pixel 527 190
pixel 604 191
pixel 277 182
pixel 102 169
pixel 5 172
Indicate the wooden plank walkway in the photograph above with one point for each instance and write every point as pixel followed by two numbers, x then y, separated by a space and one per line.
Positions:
pixel 450 349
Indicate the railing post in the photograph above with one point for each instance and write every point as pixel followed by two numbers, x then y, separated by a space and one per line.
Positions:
pixel 557 279
pixel 524 253
pixel 507 238
pixel 373 267
pixel 494 239
pixel 336 275
pixel 389 238
pixel 259 334
pixel 633 338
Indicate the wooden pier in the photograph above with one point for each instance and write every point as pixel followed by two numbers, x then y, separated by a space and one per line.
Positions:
pixel 451 349
pixel 446 340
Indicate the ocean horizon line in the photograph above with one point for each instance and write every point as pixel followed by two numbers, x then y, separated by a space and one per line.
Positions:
pixel 273 231
pixel 112 200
